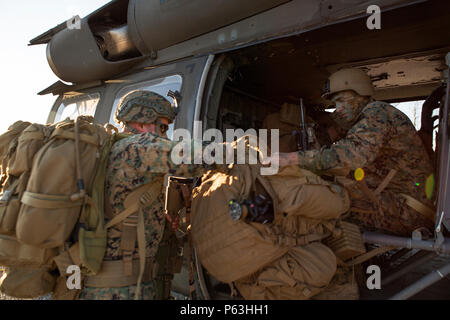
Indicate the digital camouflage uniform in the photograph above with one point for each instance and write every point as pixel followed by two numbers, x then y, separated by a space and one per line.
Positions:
pixel 133 162
pixel 381 138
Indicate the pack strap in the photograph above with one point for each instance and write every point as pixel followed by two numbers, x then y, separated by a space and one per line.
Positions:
pixel 111 274
pixel 60 133
pixel 141 250
pixel 152 191
pixel 47 201
pixel 419 207
pixel 364 257
pixel 385 181
pixel 373 194
pixel 128 242
pixel 133 227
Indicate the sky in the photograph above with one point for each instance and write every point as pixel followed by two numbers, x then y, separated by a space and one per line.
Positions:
pixel 25 70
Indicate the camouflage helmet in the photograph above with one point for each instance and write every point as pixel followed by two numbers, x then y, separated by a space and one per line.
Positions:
pixel 144 107
pixel 348 79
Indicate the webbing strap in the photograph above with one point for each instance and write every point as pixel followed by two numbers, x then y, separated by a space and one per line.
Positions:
pixel 366 256
pixel 46 201
pixel 281 238
pixel 122 216
pixel 141 251
pixel 385 181
pixel 419 207
pixel 131 203
pixel 134 226
pixel 128 242
pixel 372 195
pixel 64 134
pixel 111 274
pixel 369 193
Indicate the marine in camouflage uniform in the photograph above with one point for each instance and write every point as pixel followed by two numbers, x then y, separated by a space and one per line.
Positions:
pixel 379 138
pixel 133 162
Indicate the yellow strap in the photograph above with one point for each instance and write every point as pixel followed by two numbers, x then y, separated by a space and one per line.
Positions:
pixel 419 207
pixel 46 201
pixel 365 256
pixel 64 134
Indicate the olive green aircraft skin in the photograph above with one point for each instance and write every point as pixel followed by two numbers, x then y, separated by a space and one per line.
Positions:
pixel 82 51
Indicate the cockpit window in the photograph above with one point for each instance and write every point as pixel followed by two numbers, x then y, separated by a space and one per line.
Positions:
pixel 76 106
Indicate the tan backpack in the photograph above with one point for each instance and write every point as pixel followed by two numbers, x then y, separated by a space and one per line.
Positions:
pixel 47 177
pixel 305 207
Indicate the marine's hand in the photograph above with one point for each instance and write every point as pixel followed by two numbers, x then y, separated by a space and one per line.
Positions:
pixel 281 159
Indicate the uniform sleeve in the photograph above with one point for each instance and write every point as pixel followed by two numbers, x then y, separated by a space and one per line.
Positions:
pixel 152 155
pixel 360 147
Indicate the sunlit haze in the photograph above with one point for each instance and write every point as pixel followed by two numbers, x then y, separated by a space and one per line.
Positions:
pixel 25 70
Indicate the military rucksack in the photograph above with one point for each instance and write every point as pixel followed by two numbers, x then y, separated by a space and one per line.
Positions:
pixel 305 208
pixel 46 201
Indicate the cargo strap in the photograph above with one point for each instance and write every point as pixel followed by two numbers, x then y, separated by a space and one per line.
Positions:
pixel 111 274
pixel 420 207
pixel 133 227
pixel 364 257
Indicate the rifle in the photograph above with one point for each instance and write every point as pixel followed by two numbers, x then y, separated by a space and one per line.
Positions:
pixel 302 136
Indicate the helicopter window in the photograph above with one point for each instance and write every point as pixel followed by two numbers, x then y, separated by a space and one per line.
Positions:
pixel 160 86
pixel 76 106
pixel 412 109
